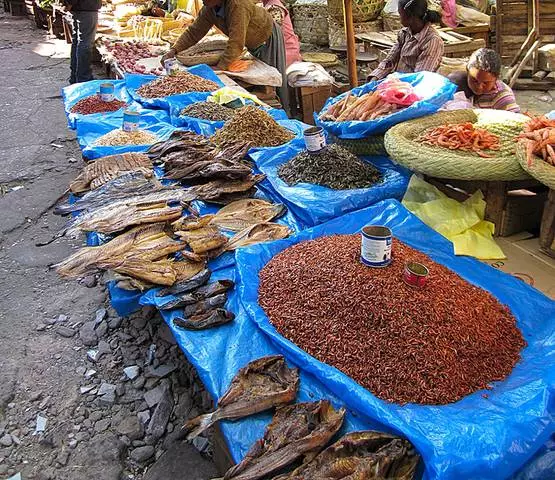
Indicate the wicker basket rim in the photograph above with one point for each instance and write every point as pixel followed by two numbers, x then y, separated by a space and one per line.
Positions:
pixel 539 169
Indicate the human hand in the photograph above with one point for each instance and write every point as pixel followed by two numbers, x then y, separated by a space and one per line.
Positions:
pixel 171 53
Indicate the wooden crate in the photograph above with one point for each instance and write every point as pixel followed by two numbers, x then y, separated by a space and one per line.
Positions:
pixel 310 100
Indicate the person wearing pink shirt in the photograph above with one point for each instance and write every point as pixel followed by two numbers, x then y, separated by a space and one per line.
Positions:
pixel 281 16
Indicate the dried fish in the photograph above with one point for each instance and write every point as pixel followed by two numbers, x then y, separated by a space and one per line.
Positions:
pixel 243 213
pixel 120 137
pixel 212 318
pixel 295 431
pixel 192 222
pixel 203 239
pixel 204 306
pixel 366 455
pixel 261 385
pixel 209 170
pixel 259 233
pixel 196 281
pixel 218 189
pixel 179 82
pixel 212 111
pixel 102 170
pixel 179 140
pixel 201 293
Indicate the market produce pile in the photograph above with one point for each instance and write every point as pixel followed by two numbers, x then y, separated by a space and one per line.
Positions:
pixel 178 82
pixel 209 111
pixel 539 138
pixel 119 137
pixel 127 54
pixel 95 104
pixel 433 345
pixel 463 136
pixel 333 167
pixel 254 126
pixel 390 96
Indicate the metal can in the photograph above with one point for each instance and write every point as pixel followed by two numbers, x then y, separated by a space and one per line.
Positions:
pixel 106 92
pixel 171 65
pixel 377 242
pixel 415 274
pixel 314 139
pixel 130 120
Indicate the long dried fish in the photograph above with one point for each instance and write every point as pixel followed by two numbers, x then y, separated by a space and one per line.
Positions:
pixel 212 318
pixel 201 293
pixel 262 384
pixel 243 213
pixel 366 455
pixel 215 190
pixel 259 233
pixel 203 239
pixel 210 170
pixel 179 140
pixel 192 222
pixel 295 431
pixel 196 281
pixel 204 306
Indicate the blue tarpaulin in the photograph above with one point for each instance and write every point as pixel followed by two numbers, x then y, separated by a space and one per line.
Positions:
pixel 78 91
pixel 432 88
pixel 134 81
pixel 474 438
pixel 90 130
pixel 314 204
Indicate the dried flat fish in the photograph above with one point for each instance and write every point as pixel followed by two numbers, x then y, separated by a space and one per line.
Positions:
pixel 201 293
pixel 203 239
pixel 148 242
pixel 203 306
pixel 210 170
pixel 127 185
pixel 159 272
pixel 215 190
pixel 366 455
pixel 259 233
pixel 261 385
pixel 197 280
pixel 295 431
pixel 192 222
pixel 243 213
pixel 179 140
pixel 104 169
pixel 212 318
pixel 186 269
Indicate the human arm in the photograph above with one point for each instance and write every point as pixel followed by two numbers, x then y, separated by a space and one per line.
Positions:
pixel 237 20
pixel 196 31
pixel 431 55
pixel 388 65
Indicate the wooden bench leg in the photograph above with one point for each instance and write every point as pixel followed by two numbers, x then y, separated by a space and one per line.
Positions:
pixel 547 231
pixel 495 203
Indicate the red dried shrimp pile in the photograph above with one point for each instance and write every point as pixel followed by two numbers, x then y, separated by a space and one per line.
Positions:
pixel 94 104
pixel 433 345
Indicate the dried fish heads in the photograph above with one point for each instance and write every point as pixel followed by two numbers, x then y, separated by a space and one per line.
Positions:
pixel 366 455
pixel 262 384
pixel 244 213
pixel 212 318
pixel 295 431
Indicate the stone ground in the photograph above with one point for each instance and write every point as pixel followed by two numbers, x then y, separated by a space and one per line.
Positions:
pixel 62 349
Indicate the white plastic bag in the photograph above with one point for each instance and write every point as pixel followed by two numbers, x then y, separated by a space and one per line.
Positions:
pixel 259 73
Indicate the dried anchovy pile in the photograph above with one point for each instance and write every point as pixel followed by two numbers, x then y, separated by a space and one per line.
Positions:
pixel 179 82
pixel 431 346
pixel 334 167
pixel 255 126
pixel 94 104
pixel 209 111
pixel 119 137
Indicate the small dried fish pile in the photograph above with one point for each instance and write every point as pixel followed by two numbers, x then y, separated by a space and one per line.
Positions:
pixel 261 385
pixel 95 104
pixel 209 111
pixel 119 137
pixel 295 431
pixel 253 126
pixel 463 136
pixel 389 97
pixel 101 171
pixel 432 346
pixel 179 82
pixel 334 167
pixel 539 138
pixel 366 455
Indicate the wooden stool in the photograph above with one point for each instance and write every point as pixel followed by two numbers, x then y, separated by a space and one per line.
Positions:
pixel 547 230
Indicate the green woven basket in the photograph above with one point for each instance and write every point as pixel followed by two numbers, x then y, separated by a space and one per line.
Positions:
pixel 401 144
pixel 373 145
pixel 540 170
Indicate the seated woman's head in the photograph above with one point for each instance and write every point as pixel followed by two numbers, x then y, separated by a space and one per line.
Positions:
pixel 416 11
pixel 483 70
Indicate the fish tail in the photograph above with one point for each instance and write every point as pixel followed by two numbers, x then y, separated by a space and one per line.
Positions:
pixel 193 428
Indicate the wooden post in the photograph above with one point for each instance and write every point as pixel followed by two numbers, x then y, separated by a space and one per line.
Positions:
pixel 350 36
pixel 547 232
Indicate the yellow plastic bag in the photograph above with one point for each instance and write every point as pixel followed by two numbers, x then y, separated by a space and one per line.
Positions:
pixel 227 94
pixel 462 223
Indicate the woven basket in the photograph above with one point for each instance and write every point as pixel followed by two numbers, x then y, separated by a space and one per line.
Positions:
pixel 391 22
pixel 401 144
pixel 372 145
pixel 363 10
pixel 540 170
pixel 336 36
pixel 310 21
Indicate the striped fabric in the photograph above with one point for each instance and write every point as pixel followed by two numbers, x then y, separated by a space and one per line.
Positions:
pixel 502 98
pixel 413 53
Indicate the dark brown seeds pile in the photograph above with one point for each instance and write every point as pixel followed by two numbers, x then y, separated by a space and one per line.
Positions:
pixel 209 111
pixel 433 345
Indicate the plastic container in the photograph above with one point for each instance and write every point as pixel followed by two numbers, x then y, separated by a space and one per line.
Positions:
pixel 106 92
pixel 314 139
pixel 130 120
pixel 377 242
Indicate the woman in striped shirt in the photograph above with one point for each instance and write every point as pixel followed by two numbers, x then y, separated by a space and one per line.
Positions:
pixel 419 47
pixel 481 82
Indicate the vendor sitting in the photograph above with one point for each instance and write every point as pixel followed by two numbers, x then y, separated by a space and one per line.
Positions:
pixel 481 82
pixel 419 46
pixel 246 25
pixel 281 16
